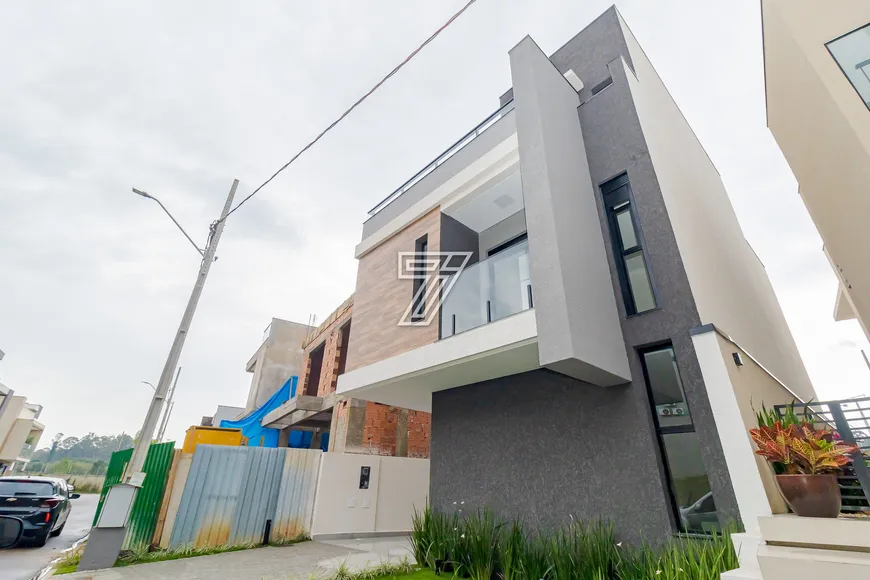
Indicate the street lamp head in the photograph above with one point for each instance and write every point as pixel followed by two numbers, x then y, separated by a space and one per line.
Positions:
pixel 142 193
pixel 149 384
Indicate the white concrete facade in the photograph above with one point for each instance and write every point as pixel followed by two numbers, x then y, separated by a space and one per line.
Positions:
pixel 822 125
pixel 279 357
pixel 505 347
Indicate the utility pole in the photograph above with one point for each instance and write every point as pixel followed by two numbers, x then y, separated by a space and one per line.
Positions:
pixel 140 451
pixel 168 409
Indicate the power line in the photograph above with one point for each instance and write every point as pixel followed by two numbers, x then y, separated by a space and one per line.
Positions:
pixel 354 106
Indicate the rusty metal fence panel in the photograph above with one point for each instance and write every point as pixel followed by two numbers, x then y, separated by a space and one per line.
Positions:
pixel 232 492
pixel 295 506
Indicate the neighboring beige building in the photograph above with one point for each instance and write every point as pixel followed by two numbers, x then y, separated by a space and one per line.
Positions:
pixel 279 357
pixel 817 74
pixel 19 429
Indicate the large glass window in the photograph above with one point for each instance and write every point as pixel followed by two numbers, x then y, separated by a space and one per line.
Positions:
pixel 694 506
pixel 852 53
pixel 631 262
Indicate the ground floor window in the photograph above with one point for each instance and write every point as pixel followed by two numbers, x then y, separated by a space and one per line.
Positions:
pixel 689 485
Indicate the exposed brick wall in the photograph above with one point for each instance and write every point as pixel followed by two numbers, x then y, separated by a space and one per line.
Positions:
pixel 327 334
pixel 331 356
pixel 419 432
pixel 302 385
pixel 380 430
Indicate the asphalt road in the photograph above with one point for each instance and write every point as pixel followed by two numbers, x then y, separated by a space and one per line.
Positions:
pixel 25 562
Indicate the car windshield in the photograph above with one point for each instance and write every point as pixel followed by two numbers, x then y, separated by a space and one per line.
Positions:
pixel 25 488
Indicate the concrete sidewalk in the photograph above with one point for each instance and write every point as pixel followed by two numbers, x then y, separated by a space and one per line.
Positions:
pixel 271 563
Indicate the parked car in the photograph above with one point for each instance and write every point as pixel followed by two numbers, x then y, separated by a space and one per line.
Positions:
pixel 42 504
pixel 701 515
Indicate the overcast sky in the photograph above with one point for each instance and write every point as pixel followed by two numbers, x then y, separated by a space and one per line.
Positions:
pixel 180 98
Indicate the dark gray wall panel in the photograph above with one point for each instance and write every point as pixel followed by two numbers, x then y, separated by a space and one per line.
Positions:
pixel 544 447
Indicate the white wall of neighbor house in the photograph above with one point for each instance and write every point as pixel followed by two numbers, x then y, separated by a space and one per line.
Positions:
pixel 10 414
pixel 822 126
pixel 397 485
pixel 729 283
pixel 21 429
pixel 734 393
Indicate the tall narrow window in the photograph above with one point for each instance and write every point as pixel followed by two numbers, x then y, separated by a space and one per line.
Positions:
pixel 693 503
pixel 418 309
pixel 852 53
pixel 631 262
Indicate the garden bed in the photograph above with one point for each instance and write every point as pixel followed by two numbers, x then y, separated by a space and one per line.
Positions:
pixel 480 547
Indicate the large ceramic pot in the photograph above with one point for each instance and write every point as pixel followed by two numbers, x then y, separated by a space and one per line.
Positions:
pixel 811 496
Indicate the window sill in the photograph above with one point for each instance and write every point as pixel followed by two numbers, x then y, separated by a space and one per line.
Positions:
pixel 656 309
pixel 694 535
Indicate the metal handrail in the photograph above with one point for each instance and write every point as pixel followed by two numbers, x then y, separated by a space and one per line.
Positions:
pixel 453 149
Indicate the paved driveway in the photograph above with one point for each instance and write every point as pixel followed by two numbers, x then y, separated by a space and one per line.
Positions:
pixel 26 561
pixel 271 563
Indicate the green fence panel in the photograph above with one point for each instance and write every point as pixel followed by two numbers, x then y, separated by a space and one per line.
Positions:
pixel 114 472
pixel 146 506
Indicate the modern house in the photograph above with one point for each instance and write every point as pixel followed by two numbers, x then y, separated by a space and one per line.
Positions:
pixel 20 429
pixel 817 78
pixel 569 293
pixel 353 425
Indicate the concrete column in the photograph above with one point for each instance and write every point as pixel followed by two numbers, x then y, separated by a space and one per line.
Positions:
pixel 284 437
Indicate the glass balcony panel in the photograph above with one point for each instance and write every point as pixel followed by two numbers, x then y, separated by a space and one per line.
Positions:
pixel 488 291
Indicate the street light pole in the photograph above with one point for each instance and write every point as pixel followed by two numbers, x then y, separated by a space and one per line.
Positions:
pixel 140 451
pixel 168 409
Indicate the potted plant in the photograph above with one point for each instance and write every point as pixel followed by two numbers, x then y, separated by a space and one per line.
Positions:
pixel 806 461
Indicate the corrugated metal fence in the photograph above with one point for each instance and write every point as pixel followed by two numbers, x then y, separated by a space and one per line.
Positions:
pixel 146 507
pixel 232 492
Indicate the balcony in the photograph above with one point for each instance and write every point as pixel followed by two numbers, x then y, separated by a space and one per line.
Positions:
pixel 488 291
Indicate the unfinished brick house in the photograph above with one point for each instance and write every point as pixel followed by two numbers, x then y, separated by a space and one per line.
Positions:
pixel 352 425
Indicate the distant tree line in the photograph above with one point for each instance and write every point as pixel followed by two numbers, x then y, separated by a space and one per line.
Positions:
pixel 88 455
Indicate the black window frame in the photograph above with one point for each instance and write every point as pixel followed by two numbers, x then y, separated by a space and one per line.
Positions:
pixel 508 244
pixel 669 430
pixel 418 294
pixel 618 197
pixel 840 66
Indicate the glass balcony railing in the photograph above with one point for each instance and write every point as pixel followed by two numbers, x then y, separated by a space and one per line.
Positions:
pixel 488 291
